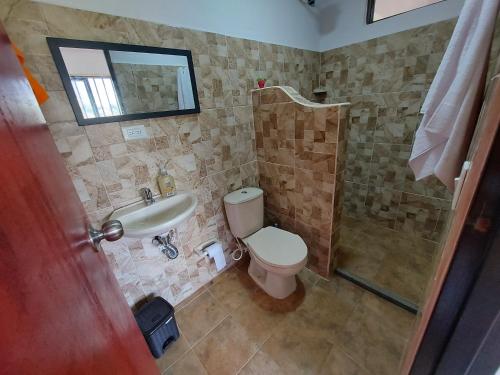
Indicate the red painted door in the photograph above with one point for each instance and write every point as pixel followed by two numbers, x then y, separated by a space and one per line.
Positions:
pixel 61 310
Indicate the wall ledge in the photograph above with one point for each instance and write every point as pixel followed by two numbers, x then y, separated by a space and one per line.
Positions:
pixel 299 99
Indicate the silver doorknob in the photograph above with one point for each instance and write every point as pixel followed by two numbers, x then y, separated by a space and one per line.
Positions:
pixel 111 230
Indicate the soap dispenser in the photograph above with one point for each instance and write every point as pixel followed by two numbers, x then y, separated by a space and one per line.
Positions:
pixel 166 183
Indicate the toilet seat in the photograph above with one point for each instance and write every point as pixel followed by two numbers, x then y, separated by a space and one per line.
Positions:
pixel 277 247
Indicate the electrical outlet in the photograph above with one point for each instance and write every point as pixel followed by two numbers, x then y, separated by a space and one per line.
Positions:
pixel 134 132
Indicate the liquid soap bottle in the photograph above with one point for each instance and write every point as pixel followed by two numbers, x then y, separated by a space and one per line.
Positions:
pixel 166 183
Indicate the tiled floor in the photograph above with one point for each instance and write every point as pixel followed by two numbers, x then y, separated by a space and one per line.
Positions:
pixel 325 327
pixel 398 262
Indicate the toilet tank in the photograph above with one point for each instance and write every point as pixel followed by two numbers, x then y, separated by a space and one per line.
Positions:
pixel 245 211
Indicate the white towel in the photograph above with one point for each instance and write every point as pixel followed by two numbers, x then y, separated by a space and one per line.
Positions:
pixel 451 106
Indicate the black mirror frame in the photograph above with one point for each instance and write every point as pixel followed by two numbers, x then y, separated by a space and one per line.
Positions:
pixel 55 43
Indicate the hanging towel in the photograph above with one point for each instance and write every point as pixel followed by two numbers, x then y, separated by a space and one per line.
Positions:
pixel 184 88
pixel 452 104
pixel 40 93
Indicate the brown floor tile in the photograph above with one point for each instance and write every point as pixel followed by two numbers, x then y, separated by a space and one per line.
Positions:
pixel 199 317
pixel 359 262
pixel 221 277
pixel 226 349
pixel 262 364
pixel 339 363
pixel 259 323
pixel 190 299
pixel 325 327
pixel 402 280
pixel 233 290
pixel 174 352
pixel 296 347
pixel 398 319
pixel 341 288
pixel 189 364
pixel 326 310
pixel 371 342
pixel 399 262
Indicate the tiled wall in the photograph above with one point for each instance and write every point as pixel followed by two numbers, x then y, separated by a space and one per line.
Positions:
pixel 211 153
pixel 386 80
pixel 147 88
pixel 214 153
pixel 300 152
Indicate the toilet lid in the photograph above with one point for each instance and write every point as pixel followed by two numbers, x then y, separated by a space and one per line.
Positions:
pixel 277 247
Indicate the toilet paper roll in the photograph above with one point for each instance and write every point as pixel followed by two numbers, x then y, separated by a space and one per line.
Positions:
pixel 215 251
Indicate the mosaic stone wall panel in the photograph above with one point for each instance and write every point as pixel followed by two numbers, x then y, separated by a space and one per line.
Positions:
pixel 300 153
pixel 147 88
pixel 212 153
pixel 385 80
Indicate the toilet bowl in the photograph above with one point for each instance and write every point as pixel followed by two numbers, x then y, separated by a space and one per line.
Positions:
pixel 276 255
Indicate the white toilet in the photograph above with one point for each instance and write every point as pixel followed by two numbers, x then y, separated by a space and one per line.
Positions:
pixel 276 255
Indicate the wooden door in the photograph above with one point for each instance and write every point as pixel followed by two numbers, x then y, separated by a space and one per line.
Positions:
pixel 61 310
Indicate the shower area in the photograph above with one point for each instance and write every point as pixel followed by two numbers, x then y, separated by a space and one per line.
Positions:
pixel 391 225
pixel 338 175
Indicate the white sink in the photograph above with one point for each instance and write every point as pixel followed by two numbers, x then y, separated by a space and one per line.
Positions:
pixel 140 220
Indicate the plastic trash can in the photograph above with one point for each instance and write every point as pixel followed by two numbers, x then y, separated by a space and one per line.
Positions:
pixel 157 323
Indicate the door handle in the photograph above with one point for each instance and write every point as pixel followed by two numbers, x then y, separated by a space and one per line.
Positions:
pixel 111 230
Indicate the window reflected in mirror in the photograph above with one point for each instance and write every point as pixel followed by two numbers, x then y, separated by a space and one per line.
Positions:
pixel 91 80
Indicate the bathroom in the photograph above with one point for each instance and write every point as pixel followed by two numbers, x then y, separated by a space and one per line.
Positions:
pixel 303 242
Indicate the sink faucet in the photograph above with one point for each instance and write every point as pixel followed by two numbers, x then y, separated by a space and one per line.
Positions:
pixel 147 195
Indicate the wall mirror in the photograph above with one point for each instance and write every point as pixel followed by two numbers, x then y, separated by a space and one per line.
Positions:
pixel 108 82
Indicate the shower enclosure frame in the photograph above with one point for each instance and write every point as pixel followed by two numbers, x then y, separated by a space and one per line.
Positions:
pixel 472 229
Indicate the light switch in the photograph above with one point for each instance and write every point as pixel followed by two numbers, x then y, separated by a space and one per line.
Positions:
pixel 134 132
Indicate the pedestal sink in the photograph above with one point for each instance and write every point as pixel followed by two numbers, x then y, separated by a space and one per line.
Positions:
pixel 140 220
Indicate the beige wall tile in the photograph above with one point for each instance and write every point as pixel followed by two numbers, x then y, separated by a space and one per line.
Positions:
pixel 298 151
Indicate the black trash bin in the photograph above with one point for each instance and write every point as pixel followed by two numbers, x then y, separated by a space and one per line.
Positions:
pixel 157 322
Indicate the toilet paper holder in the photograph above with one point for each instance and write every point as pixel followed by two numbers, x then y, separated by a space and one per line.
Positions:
pixel 213 250
pixel 202 248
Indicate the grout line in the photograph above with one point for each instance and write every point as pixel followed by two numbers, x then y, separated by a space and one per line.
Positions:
pixel 259 347
pixel 204 336
pixel 253 355
pixel 217 324
pixel 178 359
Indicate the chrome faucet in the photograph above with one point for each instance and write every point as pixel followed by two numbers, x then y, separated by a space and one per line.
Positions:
pixel 147 195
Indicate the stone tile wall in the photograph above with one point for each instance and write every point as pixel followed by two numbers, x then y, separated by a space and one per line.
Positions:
pixel 300 152
pixel 147 88
pixel 386 80
pixel 212 153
